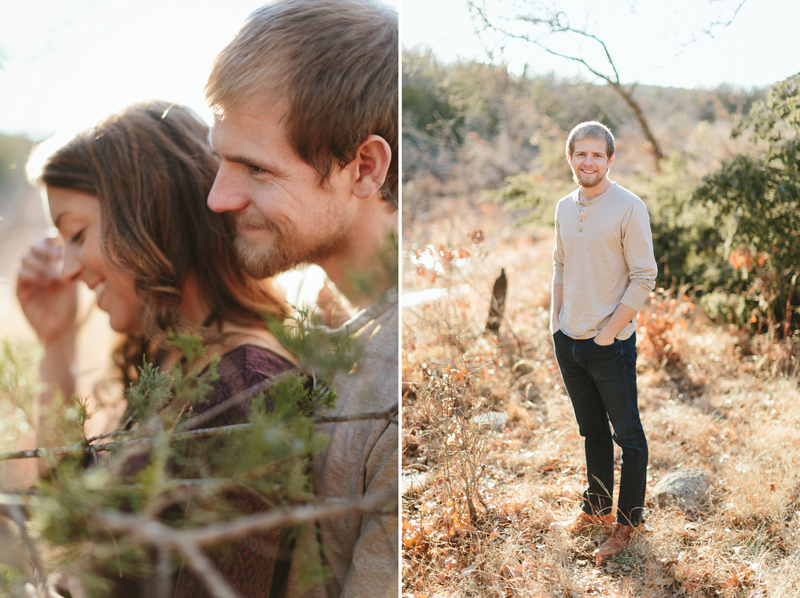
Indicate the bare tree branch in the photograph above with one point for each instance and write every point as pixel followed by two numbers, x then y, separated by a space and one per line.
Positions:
pixel 206 571
pixel 12 507
pixel 151 532
pixel 238 398
pixel 60 451
pixel 556 22
pixel 113 434
pixel 154 533
pixel 83 448
pixel 164 573
pixel 711 29
pixel 387 414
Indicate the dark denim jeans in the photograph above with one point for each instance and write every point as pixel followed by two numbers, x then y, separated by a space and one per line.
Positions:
pixel 601 383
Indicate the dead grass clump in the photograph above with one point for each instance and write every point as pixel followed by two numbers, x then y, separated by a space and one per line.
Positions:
pixel 759 484
pixel 784 580
pixel 454 434
pixel 664 314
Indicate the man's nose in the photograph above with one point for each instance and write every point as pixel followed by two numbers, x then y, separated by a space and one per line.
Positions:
pixel 227 193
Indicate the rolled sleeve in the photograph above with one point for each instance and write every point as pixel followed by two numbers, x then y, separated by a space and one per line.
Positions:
pixel 638 252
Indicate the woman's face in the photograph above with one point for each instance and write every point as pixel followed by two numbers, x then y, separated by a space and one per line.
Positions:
pixel 77 217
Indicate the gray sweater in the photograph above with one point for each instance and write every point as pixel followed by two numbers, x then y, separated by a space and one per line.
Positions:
pixel 603 257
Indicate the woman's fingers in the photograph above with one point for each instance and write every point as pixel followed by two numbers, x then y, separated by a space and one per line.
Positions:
pixel 49 303
pixel 37 271
pixel 42 263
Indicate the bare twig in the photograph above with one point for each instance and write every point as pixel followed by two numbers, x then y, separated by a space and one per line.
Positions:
pixel 12 507
pixel 238 398
pixel 164 573
pixel 387 414
pixel 113 434
pixel 153 533
pixel 60 451
pixel 206 571
pixel 711 29
pixel 82 448
pixel 156 534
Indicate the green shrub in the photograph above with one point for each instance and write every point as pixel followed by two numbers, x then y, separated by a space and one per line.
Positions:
pixel 757 196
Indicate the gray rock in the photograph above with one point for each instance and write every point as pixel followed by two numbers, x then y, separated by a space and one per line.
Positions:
pixel 684 488
pixel 496 419
pixel 414 482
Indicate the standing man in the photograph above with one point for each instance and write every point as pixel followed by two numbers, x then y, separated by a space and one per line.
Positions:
pixel 604 269
pixel 306 103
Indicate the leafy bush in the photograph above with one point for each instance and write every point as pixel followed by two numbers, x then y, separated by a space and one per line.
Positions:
pixel 756 197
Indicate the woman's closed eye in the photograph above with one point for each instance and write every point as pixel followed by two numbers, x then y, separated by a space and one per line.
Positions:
pixel 77 238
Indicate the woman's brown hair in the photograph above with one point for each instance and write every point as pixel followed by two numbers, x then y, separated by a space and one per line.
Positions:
pixel 152 168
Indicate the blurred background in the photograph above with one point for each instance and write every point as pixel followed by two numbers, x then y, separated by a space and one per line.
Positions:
pixel 491 90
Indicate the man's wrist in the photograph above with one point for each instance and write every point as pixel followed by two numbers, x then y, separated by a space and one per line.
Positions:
pixel 605 337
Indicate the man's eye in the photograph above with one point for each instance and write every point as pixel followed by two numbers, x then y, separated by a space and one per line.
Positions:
pixel 256 169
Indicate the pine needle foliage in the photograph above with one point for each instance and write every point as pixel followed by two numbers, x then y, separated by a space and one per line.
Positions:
pixel 320 353
pixel 366 281
pixel 156 389
pixel 16 392
pixel 155 469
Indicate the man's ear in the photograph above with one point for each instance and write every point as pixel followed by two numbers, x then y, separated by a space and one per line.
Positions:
pixel 371 164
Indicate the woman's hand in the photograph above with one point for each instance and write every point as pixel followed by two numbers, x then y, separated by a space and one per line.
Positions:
pixel 49 303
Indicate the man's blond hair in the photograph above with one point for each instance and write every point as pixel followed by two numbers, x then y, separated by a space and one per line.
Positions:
pixel 591 130
pixel 335 64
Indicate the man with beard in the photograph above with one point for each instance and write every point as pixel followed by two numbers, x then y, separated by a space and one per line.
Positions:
pixel 305 101
pixel 604 269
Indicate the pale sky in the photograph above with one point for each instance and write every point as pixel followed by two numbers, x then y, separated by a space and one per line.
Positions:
pixel 66 64
pixel 649 40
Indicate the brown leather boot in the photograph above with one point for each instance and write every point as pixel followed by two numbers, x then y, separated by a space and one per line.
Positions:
pixel 583 522
pixel 615 543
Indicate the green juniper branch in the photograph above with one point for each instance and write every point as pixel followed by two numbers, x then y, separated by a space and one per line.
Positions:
pixel 82 448
pixel 168 468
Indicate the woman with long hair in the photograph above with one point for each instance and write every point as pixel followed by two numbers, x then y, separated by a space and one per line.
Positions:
pixel 128 198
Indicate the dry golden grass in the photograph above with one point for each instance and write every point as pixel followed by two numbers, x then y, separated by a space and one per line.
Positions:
pixel 710 398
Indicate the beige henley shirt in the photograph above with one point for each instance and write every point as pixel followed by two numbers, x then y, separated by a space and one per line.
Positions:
pixel 603 257
pixel 359 551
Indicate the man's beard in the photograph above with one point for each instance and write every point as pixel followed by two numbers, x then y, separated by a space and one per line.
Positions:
pixel 261 262
pixel 282 252
pixel 588 181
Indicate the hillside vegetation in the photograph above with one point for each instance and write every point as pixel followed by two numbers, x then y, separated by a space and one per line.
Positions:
pixel 491 452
